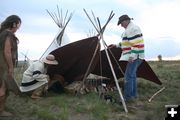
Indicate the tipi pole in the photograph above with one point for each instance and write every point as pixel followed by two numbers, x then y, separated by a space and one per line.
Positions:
pixel 61 23
pixel 100 33
pixel 115 60
pixel 115 78
pixel 89 66
pixel 112 70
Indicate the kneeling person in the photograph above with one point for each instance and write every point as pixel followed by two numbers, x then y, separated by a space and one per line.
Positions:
pixel 35 79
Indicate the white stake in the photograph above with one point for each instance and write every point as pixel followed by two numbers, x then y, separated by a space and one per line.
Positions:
pixel 156 94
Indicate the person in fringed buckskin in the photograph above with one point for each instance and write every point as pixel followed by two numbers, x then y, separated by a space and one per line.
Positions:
pixel 35 79
pixel 8 57
pixel 132 46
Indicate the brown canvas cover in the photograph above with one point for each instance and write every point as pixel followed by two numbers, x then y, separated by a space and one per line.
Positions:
pixel 144 70
pixel 75 58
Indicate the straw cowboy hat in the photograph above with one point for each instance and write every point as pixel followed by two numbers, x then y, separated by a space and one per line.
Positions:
pixel 50 59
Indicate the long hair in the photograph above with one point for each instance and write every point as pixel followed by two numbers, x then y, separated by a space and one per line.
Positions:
pixel 9 22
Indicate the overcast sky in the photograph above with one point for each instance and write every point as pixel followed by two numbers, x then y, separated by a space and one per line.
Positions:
pixel 158 20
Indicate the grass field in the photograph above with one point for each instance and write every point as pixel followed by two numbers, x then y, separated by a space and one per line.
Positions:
pixel 91 107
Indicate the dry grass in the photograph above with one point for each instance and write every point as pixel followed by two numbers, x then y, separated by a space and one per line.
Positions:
pixel 91 107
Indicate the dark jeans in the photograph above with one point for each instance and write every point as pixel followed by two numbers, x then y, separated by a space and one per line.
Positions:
pixel 130 84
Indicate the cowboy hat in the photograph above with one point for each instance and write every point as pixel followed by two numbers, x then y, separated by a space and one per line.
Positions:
pixel 122 18
pixel 50 59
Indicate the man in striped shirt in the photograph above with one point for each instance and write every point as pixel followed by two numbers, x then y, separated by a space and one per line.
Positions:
pixel 132 46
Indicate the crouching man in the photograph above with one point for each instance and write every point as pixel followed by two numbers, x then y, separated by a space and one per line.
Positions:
pixel 35 80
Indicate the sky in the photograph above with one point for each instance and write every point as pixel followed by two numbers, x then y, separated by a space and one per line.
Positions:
pixel 158 20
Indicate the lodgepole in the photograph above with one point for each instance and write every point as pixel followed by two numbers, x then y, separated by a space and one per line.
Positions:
pixel 115 78
pixel 100 31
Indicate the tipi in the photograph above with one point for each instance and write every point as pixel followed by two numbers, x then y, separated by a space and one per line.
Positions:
pixel 61 38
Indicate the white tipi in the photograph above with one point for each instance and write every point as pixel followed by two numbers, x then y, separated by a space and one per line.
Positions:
pixel 61 38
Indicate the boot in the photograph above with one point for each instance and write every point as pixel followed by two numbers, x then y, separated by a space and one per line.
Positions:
pixel 3 113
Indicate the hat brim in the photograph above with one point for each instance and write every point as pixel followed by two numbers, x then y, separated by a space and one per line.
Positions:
pixel 121 20
pixel 54 62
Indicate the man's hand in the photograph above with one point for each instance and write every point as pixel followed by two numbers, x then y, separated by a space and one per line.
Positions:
pixel 130 59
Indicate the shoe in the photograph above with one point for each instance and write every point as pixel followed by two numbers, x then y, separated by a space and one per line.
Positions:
pixel 5 114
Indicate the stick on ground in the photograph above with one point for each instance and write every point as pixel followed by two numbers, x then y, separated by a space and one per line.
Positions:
pixel 156 94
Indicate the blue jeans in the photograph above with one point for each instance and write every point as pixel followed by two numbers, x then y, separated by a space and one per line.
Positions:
pixel 130 85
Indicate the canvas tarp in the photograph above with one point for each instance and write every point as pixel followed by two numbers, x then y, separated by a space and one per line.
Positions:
pixel 74 59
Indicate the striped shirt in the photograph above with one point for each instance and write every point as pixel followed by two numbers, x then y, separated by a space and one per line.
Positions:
pixel 132 44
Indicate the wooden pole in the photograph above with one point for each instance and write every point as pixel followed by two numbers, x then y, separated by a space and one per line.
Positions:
pixel 115 78
pixel 100 33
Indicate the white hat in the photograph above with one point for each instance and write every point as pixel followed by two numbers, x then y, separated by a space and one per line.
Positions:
pixel 50 59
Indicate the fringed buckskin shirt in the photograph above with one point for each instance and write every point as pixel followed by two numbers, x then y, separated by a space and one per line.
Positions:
pixel 3 64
